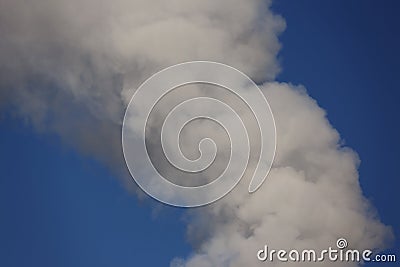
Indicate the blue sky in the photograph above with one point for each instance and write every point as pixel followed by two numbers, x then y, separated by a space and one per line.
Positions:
pixel 59 208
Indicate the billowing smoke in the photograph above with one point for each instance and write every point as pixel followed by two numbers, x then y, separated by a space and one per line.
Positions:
pixel 311 197
pixel 70 68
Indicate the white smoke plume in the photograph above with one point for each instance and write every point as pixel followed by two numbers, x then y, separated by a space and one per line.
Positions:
pixel 70 67
pixel 311 197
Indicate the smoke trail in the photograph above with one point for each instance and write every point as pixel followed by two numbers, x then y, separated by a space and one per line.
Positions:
pixel 70 68
pixel 311 198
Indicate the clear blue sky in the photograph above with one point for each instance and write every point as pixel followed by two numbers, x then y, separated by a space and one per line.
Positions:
pixel 59 208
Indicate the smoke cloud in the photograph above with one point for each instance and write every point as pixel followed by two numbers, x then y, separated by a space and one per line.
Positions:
pixel 70 68
pixel 310 199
